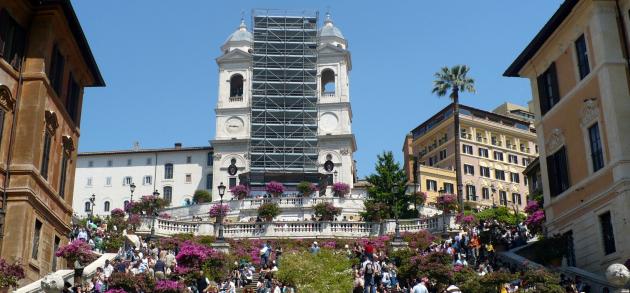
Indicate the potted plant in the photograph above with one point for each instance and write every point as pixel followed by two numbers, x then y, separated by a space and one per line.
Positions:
pixel 240 191
pixel 218 210
pixel 274 188
pixel 340 189
pixel 78 253
pixel 447 202
pixel 306 188
pixel 10 274
pixel 326 210
pixel 268 211
pixel 202 196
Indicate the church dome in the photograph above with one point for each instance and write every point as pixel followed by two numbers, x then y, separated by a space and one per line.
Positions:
pixel 329 29
pixel 241 34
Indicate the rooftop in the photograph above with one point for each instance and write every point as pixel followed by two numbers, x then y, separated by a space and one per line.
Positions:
pixel 176 148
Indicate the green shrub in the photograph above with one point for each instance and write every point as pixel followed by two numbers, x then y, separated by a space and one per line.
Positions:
pixel 201 196
pixel 268 211
pixel 325 272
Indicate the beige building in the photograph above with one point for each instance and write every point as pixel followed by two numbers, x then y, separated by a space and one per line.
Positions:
pixel 578 68
pixel 495 149
pixel 45 62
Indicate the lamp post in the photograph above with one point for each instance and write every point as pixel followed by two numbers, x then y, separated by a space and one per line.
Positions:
pixel 154 211
pixel 132 188
pixel 221 188
pixel 93 203
pixel 397 237
pixel 494 190
pixel 441 193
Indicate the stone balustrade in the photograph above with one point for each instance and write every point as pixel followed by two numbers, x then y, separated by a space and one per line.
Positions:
pixel 294 229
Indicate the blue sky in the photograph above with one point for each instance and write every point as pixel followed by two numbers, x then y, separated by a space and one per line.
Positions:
pixel 157 58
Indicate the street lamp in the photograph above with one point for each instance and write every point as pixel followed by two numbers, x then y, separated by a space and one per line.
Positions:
pixel 92 201
pixel 397 237
pixel 221 188
pixel 157 195
pixel 494 190
pixel 441 193
pixel 132 188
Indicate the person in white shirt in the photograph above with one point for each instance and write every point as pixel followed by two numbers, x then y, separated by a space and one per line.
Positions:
pixel 421 286
pixel 107 269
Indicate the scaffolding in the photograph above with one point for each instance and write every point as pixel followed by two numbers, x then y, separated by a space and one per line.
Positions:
pixel 284 95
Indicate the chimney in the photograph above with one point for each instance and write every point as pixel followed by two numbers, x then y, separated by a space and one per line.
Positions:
pixel 178 145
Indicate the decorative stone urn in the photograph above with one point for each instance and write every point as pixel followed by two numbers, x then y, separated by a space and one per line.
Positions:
pixel 618 275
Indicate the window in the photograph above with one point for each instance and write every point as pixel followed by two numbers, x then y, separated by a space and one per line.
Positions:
pixel 36 235
pixel 168 171
pixel 516 199
pixel 12 39
pixel 87 206
pixel 128 162
pixel 597 155
pixel 209 181
pixel 110 163
pixel 431 185
pixel 106 206
pixel 210 159
pixel 548 93
pixel 503 197
pixel 484 171
pixel 127 180
pixel 91 164
pixel 469 169
pixel 188 178
pixel 108 181
pixel 46 155
pixel 188 159
pixel 89 181
pixel 443 154
pixel 328 81
pixel 168 193
pixel 62 176
pixel 570 248
pixel 485 193
pixel 499 174
pixel 513 159
pixel 498 156
pixel 558 172
pixel 149 161
pixel 525 180
pixel 232 182
pixel 468 149
pixel 448 188
pixel 236 85
pixel 471 192
pixel 525 161
pixel 483 152
pixel 608 234
pixel 72 102
pixel 57 242
pixel 55 75
pixel 582 56
pixel 431 162
pixel 147 180
pixel 514 177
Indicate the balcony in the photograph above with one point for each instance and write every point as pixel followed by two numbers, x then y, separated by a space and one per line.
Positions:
pixel 235 99
pixel 326 95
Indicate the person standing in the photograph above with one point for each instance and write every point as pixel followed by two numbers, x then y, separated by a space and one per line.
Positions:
pixel 421 287
pixel 367 269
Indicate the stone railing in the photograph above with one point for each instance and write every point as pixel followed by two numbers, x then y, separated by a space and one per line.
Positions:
pixel 251 204
pixel 328 95
pixel 66 275
pixel 297 229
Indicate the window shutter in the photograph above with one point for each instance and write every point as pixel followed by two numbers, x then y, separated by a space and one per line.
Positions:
pixel 542 93
pixel 553 76
pixel 5 25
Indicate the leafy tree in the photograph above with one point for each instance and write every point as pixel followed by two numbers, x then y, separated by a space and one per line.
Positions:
pixel 202 196
pixel 503 215
pixel 324 272
pixel 455 80
pixel 387 196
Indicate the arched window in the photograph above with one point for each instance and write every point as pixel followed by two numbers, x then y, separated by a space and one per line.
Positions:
pixel 106 206
pixel 168 171
pixel 328 81
pixel 236 85
pixel 88 206
pixel 168 193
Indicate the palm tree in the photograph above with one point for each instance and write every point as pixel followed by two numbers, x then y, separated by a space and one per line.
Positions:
pixel 455 80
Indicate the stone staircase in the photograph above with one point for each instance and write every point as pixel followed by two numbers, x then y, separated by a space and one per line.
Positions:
pixel 251 285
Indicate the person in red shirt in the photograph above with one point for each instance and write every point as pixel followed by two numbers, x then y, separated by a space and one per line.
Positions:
pixel 369 250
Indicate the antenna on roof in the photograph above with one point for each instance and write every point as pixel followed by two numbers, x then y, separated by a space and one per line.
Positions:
pixel 136 146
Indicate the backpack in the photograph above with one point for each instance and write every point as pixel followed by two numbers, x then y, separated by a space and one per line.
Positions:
pixel 369 269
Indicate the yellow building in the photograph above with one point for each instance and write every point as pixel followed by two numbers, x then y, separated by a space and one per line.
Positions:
pixel 494 149
pixel 578 69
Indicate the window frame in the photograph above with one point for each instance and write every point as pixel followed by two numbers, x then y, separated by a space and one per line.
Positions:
pixel 548 89
pixel 48 137
pixel 593 166
pixel 554 170
pixel 169 169
pixel 582 60
pixel 469 170
pixel 607 250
